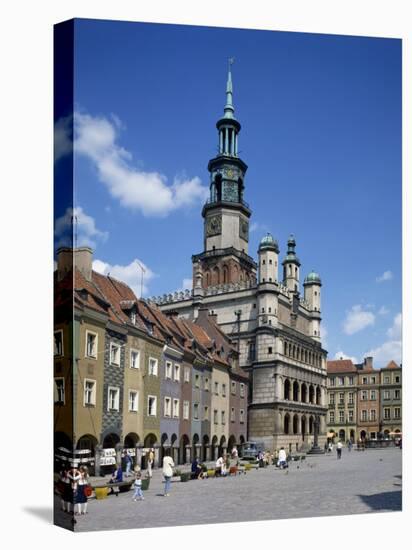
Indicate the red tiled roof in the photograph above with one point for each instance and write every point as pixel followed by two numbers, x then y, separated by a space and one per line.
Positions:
pixel 392 365
pixel 340 365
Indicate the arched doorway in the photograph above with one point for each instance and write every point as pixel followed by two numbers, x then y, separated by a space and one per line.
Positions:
pixel 131 440
pixel 303 427
pixel 352 435
pixel 149 442
pixel 110 441
pixel 303 393
pixel 205 447
pixel 363 435
pixel 317 395
pixel 342 435
pixel 311 394
pixel 295 423
pixel 87 442
pixel 295 391
pixel 231 443
pixel 286 389
pixel 164 444
pixel 222 445
pixel 61 439
pixel 184 442
pixel 214 448
pixel 286 424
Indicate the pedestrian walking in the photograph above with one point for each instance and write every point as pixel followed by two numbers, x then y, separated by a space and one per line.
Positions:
pixel 150 462
pixel 330 448
pixel 168 466
pixel 282 460
pixel 138 493
pixel 128 464
pixel 219 466
pixel 350 445
pixel 339 449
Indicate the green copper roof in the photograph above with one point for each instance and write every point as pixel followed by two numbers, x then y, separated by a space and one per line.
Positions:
pixel 291 254
pixel 269 242
pixel 313 277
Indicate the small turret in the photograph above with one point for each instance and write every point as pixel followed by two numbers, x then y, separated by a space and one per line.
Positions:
pixel 312 285
pixel 268 259
pixel 291 265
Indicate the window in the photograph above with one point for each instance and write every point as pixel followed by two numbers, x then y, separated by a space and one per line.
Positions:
pixel 114 354
pixel 341 416
pixel 206 413
pixel 386 413
pixel 263 262
pixel 232 414
pixel 397 394
pixel 153 366
pixel 233 388
pixel 223 390
pixel 364 380
pixel 113 399
pixel 133 317
pixel 331 399
pixel 386 380
pixel 364 415
pixel 332 417
pixel 89 392
pixel 269 350
pixel 167 407
pixel 176 408
pixel 168 369
pixel 133 400
pixel 350 380
pixel 197 380
pixel 350 416
pixel 397 412
pixel 364 395
pixel 241 416
pixel 176 373
pixel 373 395
pixel 59 390
pixel 242 389
pixel 196 411
pixel 386 394
pixel 341 399
pixel 373 380
pixel 332 381
pixel 134 359
pixel 187 374
pixel 341 380
pixel 151 405
pixel 216 388
pixel 373 415
pixel 206 384
pixel 185 410
pixel 58 342
pixel 91 344
pixel 350 398
pixel 223 416
pixel 215 419
pixel 397 379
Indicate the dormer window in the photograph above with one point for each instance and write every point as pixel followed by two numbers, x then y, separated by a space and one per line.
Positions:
pixel 133 317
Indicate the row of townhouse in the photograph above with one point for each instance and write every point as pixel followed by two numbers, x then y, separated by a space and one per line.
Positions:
pixel 129 378
pixel 363 402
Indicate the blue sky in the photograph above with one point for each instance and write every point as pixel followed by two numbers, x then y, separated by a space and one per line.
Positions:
pixel 321 134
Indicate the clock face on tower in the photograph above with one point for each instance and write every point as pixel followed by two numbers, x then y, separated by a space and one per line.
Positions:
pixel 244 230
pixel 213 226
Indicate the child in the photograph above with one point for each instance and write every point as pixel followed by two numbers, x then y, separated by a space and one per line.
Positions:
pixel 138 487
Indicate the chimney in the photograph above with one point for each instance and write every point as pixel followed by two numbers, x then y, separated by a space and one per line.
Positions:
pixel 368 362
pixel 68 258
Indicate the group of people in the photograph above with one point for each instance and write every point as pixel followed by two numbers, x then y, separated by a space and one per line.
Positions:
pixel 74 489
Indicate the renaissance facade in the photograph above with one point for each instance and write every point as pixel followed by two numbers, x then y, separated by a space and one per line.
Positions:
pixel 274 323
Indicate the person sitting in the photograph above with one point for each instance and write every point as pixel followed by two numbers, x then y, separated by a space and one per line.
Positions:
pixel 196 469
pixel 117 477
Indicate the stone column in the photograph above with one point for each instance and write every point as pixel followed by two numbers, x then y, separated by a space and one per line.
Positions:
pixel 175 453
pixel 278 422
pixel 208 451
pixel 188 450
pixel 279 387
pixel 198 451
pixel 119 450
pixel 156 463
pixel 138 458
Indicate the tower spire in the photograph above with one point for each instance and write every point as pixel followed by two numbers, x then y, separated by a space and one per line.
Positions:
pixel 229 109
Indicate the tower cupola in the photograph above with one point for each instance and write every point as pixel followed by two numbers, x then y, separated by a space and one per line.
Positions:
pixel 291 265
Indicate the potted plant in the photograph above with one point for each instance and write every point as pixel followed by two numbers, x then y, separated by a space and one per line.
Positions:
pixel 145 483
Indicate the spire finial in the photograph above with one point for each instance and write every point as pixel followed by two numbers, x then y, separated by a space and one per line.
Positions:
pixel 229 109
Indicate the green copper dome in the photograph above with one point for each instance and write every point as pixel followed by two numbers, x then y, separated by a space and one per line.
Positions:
pixel 313 277
pixel 269 242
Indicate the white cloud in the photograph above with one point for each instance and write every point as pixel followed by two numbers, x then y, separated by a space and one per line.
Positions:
pixel 357 319
pixel 75 220
pixel 63 138
pixel 386 276
pixel 342 355
pixel 392 348
pixel 130 274
pixel 96 138
pixel 383 310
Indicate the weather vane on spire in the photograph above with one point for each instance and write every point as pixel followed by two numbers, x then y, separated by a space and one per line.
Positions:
pixel 231 61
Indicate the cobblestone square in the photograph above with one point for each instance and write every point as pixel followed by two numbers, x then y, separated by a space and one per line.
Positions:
pixel 361 482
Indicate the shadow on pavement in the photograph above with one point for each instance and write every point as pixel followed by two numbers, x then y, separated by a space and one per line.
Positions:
pixel 391 500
